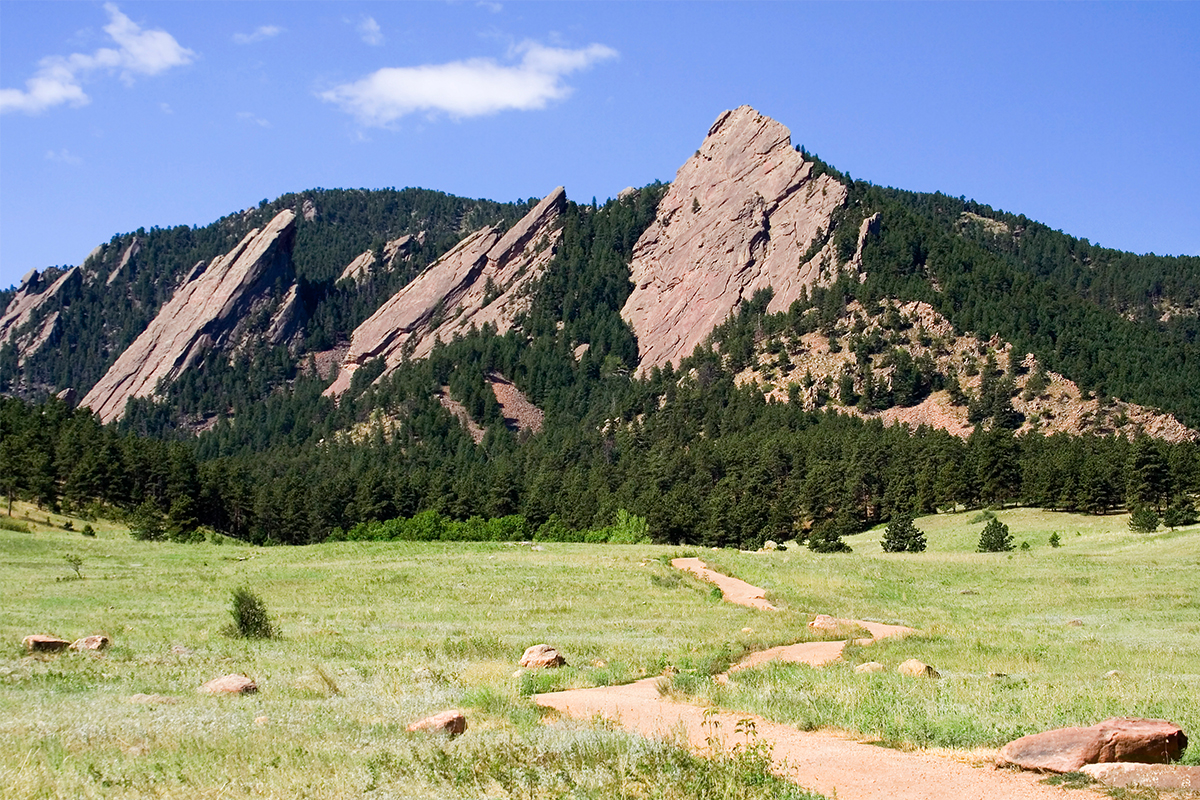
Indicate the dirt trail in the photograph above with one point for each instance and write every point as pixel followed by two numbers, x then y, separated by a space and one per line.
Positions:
pixel 824 762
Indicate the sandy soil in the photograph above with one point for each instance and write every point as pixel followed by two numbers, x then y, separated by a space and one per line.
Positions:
pixel 831 764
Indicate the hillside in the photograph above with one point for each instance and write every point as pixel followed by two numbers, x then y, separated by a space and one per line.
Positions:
pixel 718 356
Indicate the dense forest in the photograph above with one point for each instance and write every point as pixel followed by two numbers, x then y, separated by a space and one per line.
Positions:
pixel 700 458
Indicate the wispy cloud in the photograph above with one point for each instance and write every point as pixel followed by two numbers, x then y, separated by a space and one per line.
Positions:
pixel 493 7
pixel 469 88
pixel 370 31
pixel 59 78
pixel 260 33
pixel 247 116
pixel 63 156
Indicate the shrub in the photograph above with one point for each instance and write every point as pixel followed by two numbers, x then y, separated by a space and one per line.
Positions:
pixel 1143 520
pixel 75 562
pixel 1055 540
pixel 250 618
pixel 88 531
pixel 902 536
pixel 995 538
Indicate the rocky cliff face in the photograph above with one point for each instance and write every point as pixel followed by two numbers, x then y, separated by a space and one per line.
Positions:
pixel 35 296
pixel 482 281
pixel 209 309
pixel 742 215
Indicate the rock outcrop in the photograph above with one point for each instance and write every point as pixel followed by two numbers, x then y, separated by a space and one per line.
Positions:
pixel 542 656
pixel 94 642
pixel 229 684
pixel 481 281
pixel 35 294
pixel 43 643
pixel 744 213
pixel 1151 741
pixel 204 312
pixel 451 723
pixel 392 251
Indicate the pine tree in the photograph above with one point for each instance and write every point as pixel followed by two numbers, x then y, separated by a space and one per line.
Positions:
pixel 902 536
pixel 995 538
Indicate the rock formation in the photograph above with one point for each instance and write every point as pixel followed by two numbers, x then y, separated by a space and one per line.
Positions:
pixel 229 684
pixel 43 643
pixel 743 214
pixel 451 723
pixel 205 311
pixel 33 296
pixel 481 281
pixel 393 250
pixel 542 656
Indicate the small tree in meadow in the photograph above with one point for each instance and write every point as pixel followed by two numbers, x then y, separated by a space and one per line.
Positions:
pixel 250 617
pixel 1143 520
pixel 995 538
pixel 902 536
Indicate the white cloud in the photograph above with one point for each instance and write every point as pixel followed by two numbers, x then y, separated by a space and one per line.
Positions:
pixel 370 31
pixel 470 88
pixel 260 33
pixel 252 118
pixel 166 108
pixel 59 78
pixel 63 156
pixel 495 8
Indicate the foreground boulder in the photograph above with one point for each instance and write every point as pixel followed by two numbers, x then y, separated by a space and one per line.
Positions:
pixel 41 643
pixel 918 668
pixel 1152 741
pixel 542 656
pixel 229 684
pixel 97 642
pixel 824 622
pixel 451 723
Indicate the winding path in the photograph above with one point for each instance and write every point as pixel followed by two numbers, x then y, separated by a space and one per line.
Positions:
pixel 821 761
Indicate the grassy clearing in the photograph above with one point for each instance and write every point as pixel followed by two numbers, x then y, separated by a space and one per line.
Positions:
pixel 373 636
pixel 1106 625
pixel 377 635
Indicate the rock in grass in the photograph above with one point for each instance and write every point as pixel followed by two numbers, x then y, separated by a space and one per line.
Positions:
pixel 1152 741
pixel 91 643
pixel 918 668
pixel 1170 777
pixel 869 667
pixel 229 684
pixel 541 656
pixel 824 622
pixel 451 723
pixel 41 643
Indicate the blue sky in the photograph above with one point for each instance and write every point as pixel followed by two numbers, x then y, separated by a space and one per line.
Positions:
pixel 115 116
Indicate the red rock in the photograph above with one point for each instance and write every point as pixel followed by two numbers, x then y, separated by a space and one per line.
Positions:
pixel 481 281
pixel 205 311
pixel 541 656
pixel 91 643
pixel 26 306
pixel 740 216
pixel 1153 741
pixel 824 622
pixel 41 643
pixel 229 684
pixel 917 669
pixel 452 723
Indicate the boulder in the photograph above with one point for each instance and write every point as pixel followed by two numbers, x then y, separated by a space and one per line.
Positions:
pixel 918 668
pixel 451 723
pixel 229 684
pixel 869 667
pixel 97 642
pixel 824 622
pixel 41 643
pixel 1169 777
pixel 542 656
pixel 1153 741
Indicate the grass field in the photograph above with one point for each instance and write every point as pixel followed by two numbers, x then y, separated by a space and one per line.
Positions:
pixel 376 635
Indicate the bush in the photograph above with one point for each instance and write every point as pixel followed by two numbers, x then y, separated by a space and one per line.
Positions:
pixel 1055 540
pixel 1180 513
pixel 1143 520
pixel 902 536
pixel 995 538
pixel 250 617
pixel 88 531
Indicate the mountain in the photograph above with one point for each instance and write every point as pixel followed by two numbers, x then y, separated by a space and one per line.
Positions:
pixel 762 348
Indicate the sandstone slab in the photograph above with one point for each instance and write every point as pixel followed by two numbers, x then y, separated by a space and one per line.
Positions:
pixel 97 642
pixel 746 212
pixel 451 723
pixel 42 643
pixel 917 669
pixel 1121 739
pixel 229 684
pixel 542 656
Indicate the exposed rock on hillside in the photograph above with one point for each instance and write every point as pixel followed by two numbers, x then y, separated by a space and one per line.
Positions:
pixel 807 369
pixel 743 214
pixel 34 294
pixel 209 309
pixel 393 250
pixel 482 281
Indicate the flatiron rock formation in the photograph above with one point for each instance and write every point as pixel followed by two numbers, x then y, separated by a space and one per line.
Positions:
pixel 204 312
pixel 32 294
pixel 479 282
pixel 742 215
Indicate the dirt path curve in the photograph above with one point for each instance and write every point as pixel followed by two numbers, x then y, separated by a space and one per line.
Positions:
pixel 824 762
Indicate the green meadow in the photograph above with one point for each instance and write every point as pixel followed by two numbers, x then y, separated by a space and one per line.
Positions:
pixel 377 635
